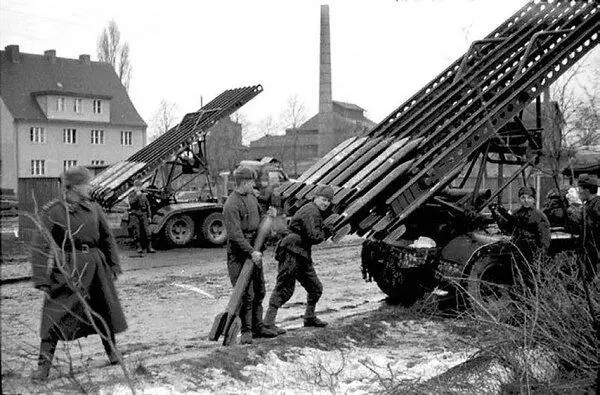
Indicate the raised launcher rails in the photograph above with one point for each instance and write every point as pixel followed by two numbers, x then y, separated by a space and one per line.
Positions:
pixel 113 184
pixel 384 179
pixel 168 164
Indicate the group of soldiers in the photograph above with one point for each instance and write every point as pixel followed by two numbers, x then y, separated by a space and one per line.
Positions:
pixel 242 213
pixel 530 227
pixel 76 262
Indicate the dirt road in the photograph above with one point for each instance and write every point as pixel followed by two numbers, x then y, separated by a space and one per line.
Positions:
pixel 170 299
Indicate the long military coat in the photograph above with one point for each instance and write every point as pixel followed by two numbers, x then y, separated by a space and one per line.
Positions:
pixel 91 267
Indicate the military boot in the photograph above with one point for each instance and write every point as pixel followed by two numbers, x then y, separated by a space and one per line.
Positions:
pixel 270 316
pixel 110 352
pixel 310 319
pixel 150 249
pixel 246 338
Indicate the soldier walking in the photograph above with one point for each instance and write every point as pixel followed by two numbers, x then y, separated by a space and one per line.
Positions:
pixel 294 256
pixel 139 217
pixel 242 217
pixel 78 227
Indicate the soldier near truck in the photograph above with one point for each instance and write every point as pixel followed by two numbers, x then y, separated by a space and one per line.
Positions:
pixel 78 227
pixel 294 256
pixel 589 224
pixel 528 225
pixel 139 218
pixel 242 215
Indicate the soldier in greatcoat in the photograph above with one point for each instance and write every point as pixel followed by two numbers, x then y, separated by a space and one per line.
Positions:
pixel 87 267
pixel 139 218
pixel 294 255
pixel 590 223
pixel 242 215
pixel 528 226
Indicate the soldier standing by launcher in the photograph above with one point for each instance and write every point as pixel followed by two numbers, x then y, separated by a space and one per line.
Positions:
pixel 139 217
pixel 295 260
pixel 590 223
pixel 528 226
pixel 78 227
pixel 242 217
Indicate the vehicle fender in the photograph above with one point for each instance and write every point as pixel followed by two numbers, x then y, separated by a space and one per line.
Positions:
pixel 458 256
pixel 193 209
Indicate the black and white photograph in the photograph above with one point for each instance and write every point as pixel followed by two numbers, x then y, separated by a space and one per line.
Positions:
pixel 300 196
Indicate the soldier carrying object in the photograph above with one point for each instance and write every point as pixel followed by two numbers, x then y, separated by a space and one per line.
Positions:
pixel 139 217
pixel 528 226
pixel 77 226
pixel 295 259
pixel 242 217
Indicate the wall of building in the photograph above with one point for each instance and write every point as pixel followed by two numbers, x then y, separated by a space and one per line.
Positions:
pixel 8 149
pixel 54 151
pixel 49 105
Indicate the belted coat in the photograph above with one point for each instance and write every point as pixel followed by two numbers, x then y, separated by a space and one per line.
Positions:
pixel 89 260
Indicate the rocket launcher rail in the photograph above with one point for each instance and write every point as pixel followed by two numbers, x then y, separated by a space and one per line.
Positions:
pixel 112 185
pixel 451 120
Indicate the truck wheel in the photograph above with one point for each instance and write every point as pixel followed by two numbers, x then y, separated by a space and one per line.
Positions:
pixel 179 230
pixel 488 287
pixel 213 229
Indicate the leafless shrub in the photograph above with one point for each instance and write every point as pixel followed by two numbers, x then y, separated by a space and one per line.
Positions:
pixel 323 374
pixel 551 341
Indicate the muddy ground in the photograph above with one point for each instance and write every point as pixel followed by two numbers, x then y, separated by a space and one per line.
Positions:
pixel 170 299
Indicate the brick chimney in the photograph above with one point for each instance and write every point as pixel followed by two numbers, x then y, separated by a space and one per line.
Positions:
pixel 326 137
pixel 50 55
pixel 12 53
pixel 84 59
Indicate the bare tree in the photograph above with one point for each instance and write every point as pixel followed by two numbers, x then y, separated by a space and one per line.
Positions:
pixel 292 117
pixel 164 118
pixel 110 50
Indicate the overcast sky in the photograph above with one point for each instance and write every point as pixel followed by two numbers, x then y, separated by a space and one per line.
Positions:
pixel 383 51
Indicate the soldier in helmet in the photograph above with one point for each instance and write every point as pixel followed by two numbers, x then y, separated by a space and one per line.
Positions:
pixel 590 223
pixel 242 215
pixel 295 259
pixel 528 226
pixel 139 218
pixel 76 225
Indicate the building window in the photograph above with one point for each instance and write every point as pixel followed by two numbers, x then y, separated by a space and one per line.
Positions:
pixel 98 162
pixel 126 138
pixel 77 106
pixel 70 136
pixel 37 134
pixel 69 163
pixel 60 104
pixel 97 106
pixel 97 137
pixel 38 167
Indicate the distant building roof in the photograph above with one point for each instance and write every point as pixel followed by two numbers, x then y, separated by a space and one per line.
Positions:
pixel 37 74
pixel 348 106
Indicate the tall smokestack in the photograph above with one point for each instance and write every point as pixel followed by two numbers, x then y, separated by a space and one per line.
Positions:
pixel 326 137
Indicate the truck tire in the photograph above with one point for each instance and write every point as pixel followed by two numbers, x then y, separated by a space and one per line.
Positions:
pixel 179 230
pixel 213 229
pixel 489 288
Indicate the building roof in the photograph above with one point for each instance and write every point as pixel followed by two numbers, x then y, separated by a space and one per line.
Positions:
pixel 36 74
pixel 349 106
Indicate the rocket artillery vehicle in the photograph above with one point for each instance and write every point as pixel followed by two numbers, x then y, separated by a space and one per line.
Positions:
pixel 406 177
pixel 167 165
